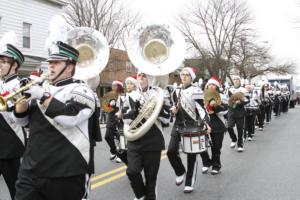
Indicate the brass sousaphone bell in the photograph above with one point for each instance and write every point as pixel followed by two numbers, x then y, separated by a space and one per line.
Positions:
pixel 156 50
pixel 93 54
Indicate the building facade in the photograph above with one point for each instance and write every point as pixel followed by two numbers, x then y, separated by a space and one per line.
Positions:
pixel 119 67
pixel 29 19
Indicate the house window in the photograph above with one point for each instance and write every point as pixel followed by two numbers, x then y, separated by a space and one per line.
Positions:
pixel 26 35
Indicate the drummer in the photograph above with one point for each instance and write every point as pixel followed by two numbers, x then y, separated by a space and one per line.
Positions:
pixel 188 108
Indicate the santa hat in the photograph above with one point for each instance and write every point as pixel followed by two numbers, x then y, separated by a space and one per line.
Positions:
pixel 214 80
pixel 132 79
pixel 192 71
pixel 118 82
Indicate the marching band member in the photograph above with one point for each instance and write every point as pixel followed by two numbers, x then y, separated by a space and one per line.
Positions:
pixel 216 109
pixel 251 112
pixel 127 108
pixel 267 95
pixel 186 117
pixel 277 99
pixel 236 113
pixel 145 152
pixel 12 138
pixel 111 126
pixel 260 112
pixel 59 158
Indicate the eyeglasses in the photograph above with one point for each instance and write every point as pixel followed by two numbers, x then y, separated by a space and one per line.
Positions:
pixel 183 74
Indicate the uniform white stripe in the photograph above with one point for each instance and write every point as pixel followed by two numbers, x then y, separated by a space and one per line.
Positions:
pixel 74 135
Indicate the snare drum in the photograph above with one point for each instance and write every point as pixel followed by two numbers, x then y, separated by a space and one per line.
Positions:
pixel 193 140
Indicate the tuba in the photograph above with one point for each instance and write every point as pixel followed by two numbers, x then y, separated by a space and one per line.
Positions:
pixel 93 54
pixel 156 50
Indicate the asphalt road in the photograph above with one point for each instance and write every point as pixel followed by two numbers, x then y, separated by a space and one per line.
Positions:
pixel 268 169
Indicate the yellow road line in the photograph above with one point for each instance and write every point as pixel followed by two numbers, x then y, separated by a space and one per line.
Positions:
pixel 115 177
pixel 108 180
pixel 103 175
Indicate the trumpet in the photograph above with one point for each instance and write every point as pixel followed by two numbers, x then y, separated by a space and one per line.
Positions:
pixel 17 96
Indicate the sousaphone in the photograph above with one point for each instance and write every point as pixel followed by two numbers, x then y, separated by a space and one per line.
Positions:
pixel 156 50
pixel 93 54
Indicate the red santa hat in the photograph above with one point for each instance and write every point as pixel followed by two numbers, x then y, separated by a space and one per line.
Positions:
pixel 132 79
pixel 214 80
pixel 191 70
pixel 118 82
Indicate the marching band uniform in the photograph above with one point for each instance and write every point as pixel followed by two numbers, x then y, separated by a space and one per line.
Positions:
pixel 277 101
pixel 251 112
pixel 268 95
pixel 260 113
pixel 12 138
pixel 127 106
pixel 145 152
pixel 236 116
pixel 193 96
pixel 217 124
pixel 59 158
pixel 112 123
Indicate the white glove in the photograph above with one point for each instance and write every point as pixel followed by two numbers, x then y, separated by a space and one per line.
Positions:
pixel 34 92
pixel 112 102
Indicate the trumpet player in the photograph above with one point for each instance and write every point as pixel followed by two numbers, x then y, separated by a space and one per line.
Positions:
pixel 145 152
pixel 187 117
pixel 58 160
pixel 12 138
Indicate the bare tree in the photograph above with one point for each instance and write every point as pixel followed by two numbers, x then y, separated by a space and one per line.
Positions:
pixel 252 60
pixel 213 29
pixel 109 17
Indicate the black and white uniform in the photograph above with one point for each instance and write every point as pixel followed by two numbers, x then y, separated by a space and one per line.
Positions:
pixel 277 102
pixel 58 159
pixel 111 128
pixel 144 153
pixel 269 101
pixel 12 139
pixel 236 116
pixel 252 109
pixel 218 127
pixel 193 96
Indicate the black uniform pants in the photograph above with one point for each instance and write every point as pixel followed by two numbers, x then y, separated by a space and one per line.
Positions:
pixel 261 116
pixel 249 125
pixel 9 170
pixel 176 162
pixel 239 121
pixel 217 141
pixel 277 107
pixel 30 187
pixel 110 134
pixel 148 161
pixel 268 112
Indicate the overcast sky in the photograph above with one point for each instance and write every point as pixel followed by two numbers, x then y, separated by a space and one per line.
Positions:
pixel 274 22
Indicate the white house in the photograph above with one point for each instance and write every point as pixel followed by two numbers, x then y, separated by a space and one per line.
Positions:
pixel 29 19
